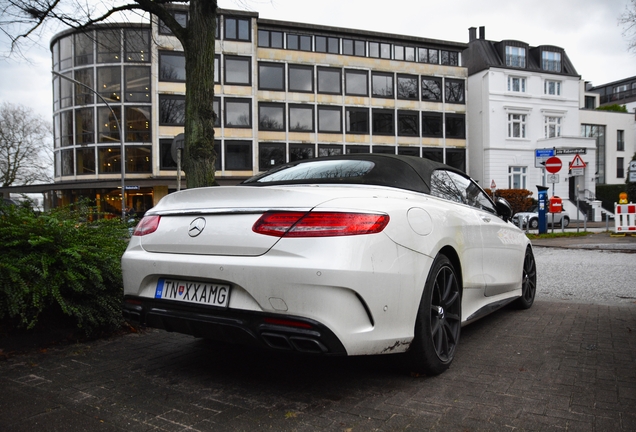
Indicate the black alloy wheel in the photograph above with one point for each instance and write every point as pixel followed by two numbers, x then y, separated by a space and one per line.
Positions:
pixel 534 223
pixel 438 323
pixel 529 281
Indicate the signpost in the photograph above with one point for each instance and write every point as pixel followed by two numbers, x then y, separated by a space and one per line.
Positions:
pixel 542 155
pixel 632 171
pixel 553 165
pixel 577 166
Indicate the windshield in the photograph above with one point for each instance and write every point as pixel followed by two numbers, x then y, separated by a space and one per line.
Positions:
pixel 320 170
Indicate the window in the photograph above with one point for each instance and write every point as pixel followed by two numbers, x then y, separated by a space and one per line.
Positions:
pixel 407 87
pixel 433 154
pixel 66 131
pixel 217 111
pixel 107 130
pixel 138 124
pixel 431 89
pixel 67 162
pixel 454 91
pixel 237 29
pixel 271 117
pixel 551 87
pixel 403 53
pixel 109 83
pixel 83 95
pixel 516 84
pixel 551 61
pixel 84 126
pixel 172 66
pixel 270 155
pixel 590 102
pixel 300 152
pixel 109 160
pixel 432 125
pixel 327 44
pixel 383 122
pixel 449 58
pixel 238 113
pixel 329 80
pixel 329 119
pixel 238 70
pixel 456 157
pixel 382 85
pixel 455 126
pixel 517 177
pixel 301 78
pixel 238 155
pixel 139 159
pixel 455 187
pixel 271 76
pixel 408 123
pixel 83 48
pixel 66 52
pixel 427 55
pixel 620 167
pixel 171 110
pixel 217 69
pixel 353 149
pixel 383 149
pixel 408 151
pixel 66 91
pixel 516 125
pixel 180 16
pixel 85 160
pixel 329 150
pixel 137 45
pixel 620 140
pixel 354 47
pixel 108 46
pixel 598 132
pixel 380 50
pixel 552 127
pixel 137 83
pixel 515 57
pixel 301 118
pixel 357 120
pixel 299 42
pixel 166 162
pixel 356 83
pixel 270 39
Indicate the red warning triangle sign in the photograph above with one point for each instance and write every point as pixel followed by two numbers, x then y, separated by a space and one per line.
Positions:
pixel 577 162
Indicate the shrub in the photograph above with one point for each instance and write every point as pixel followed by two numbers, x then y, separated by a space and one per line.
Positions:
pixel 519 199
pixel 61 267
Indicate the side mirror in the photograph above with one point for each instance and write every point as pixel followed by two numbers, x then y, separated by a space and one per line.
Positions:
pixel 504 209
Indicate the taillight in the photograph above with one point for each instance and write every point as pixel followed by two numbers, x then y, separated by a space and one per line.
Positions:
pixel 147 225
pixel 319 224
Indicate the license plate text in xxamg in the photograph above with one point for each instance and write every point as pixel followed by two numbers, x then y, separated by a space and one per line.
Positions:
pixel 193 292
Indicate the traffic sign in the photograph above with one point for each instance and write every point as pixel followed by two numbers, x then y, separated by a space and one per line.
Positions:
pixel 542 155
pixel 493 185
pixel 577 162
pixel 553 165
pixel 552 178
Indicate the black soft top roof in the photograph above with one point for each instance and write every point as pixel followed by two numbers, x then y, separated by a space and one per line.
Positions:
pixel 398 171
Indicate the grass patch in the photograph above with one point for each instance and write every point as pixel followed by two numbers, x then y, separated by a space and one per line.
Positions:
pixel 558 235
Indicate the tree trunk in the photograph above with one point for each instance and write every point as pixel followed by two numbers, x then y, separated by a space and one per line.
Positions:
pixel 199 157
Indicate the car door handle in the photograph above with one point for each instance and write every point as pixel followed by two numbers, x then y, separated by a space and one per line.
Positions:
pixel 485 218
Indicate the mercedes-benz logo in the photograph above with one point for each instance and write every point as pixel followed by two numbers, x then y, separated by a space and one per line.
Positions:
pixel 196 227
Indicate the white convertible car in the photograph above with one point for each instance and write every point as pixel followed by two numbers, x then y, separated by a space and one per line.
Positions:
pixel 347 255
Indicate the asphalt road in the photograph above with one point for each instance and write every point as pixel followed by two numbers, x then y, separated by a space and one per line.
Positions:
pixel 590 276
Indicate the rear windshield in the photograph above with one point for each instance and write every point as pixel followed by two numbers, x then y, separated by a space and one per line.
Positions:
pixel 320 170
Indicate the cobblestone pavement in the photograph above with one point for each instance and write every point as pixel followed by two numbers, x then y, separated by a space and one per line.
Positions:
pixel 555 367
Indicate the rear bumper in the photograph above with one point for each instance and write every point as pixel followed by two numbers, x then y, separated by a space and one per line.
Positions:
pixel 234 326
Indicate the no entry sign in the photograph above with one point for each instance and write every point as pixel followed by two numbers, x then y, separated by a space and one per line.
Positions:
pixel 553 165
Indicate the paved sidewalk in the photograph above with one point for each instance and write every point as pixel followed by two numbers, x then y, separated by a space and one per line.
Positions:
pixel 558 366
pixel 594 240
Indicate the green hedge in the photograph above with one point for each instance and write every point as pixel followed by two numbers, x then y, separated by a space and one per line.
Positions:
pixel 60 268
pixel 609 194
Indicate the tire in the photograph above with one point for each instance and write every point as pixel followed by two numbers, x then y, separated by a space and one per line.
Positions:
pixel 534 223
pixel 565 222
pixel 438 322
pixel 528 283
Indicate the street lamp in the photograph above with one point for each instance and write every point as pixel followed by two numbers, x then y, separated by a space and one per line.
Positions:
pixel 121 142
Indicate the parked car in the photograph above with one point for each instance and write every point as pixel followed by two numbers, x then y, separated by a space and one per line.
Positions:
pixel 348 255
pixel 531 218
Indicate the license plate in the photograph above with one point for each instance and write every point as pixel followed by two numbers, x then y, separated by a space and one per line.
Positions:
pixel 204 293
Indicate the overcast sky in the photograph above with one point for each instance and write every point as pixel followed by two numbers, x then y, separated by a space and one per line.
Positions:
pixel 588 30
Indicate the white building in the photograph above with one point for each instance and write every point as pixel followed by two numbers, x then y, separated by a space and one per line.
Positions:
pixel 522 99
